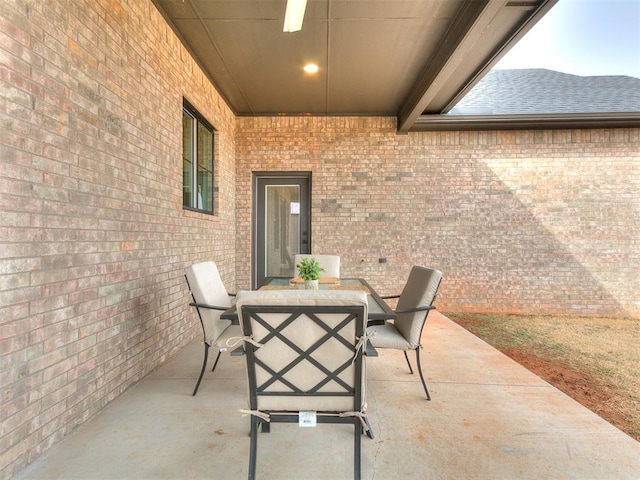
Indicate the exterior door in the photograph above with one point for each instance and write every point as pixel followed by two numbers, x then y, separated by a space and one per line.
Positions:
pixel 282 221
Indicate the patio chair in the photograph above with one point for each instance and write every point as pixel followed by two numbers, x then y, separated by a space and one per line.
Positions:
pixel 210 298
pixel 414 304
pixel 330 263
pixel 304 353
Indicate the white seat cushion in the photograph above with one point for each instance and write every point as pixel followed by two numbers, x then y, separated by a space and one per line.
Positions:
pixel 388 336
pixel 207 288
pixel 232 331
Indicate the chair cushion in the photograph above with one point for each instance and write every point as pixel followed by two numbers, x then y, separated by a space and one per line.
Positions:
pixel 419 291
pixel 207 288
pixel 330 264
pixel 232 331
pixel 301 297
pixel 388 336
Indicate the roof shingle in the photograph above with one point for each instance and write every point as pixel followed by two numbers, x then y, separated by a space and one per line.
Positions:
pixel 532 91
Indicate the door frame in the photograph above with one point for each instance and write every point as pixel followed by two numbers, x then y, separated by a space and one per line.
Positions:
pixel 276 175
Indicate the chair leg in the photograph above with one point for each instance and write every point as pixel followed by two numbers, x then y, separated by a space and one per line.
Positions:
pixel 408 362
pixel 253 448
pixel 420 372
pixel 357 426
pixel 369 429
pixel 204 367
pixel 216 362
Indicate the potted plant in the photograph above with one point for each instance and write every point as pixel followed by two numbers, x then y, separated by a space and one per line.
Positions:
pixel 309 270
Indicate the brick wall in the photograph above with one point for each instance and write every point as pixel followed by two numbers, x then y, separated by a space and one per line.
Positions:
pixel 523 221
pixel 93 238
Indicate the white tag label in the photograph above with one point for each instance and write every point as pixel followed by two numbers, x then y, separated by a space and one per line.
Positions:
pixel 307 419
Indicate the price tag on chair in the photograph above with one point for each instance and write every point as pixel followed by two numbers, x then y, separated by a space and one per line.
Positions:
pixel 307 419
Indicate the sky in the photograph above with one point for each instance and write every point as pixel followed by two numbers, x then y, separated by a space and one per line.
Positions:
pixel 582 37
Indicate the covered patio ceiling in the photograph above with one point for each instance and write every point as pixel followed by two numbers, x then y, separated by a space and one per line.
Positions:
pixel 413 59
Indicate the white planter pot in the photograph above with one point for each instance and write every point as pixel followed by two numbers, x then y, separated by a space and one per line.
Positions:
pixel 311 284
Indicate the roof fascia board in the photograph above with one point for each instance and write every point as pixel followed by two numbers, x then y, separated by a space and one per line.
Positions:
pixel 427 123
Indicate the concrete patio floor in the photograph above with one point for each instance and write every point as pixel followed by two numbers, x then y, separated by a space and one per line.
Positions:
pixel 489 418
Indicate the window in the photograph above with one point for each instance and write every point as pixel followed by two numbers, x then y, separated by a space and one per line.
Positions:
pixel 197 161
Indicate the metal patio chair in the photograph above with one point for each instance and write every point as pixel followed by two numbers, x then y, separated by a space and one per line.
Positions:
pixel 304 353
pixel 210 298
pixel 414 304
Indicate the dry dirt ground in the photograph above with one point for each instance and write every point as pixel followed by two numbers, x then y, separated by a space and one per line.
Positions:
pixel 596 361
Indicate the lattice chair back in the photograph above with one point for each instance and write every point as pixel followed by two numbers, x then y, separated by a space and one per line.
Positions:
pixel 304 352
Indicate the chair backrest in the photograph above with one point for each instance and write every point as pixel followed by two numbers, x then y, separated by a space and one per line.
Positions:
pixel 330 264
pixel 207 288
pixel 309 358
pixel 419 291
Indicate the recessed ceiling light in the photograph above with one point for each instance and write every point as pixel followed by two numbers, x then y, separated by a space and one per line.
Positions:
pixel 311 68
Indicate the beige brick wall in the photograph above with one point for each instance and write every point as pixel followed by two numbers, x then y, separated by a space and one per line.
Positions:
pixel 524 221
pixel 93 238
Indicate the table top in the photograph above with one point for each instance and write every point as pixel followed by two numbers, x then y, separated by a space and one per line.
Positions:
pixel 377 307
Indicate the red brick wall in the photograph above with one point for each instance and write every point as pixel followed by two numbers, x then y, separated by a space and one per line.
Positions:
pixel 525 221
pixel 93 237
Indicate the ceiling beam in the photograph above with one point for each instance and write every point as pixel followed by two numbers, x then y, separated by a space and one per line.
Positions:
pixel 473 17
pixel 533 10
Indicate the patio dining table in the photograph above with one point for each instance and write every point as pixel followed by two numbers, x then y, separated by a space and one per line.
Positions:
pixel 378 310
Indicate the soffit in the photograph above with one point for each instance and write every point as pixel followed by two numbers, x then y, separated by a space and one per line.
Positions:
pixel 403 58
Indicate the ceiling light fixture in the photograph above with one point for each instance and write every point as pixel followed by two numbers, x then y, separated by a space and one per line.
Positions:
pixel 294 15
pixel 311 68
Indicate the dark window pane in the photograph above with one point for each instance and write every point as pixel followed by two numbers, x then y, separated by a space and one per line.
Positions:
pixel 187 159
pixel 205 169
pixel 197 161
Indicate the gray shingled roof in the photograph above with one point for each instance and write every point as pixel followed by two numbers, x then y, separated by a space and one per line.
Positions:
pixel 531 91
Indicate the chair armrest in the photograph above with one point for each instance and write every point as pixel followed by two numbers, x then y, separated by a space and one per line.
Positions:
pixel 386 297
pixel 210 307
pixel 417 309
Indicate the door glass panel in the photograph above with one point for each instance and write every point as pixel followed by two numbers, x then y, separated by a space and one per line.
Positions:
pixel 282 229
